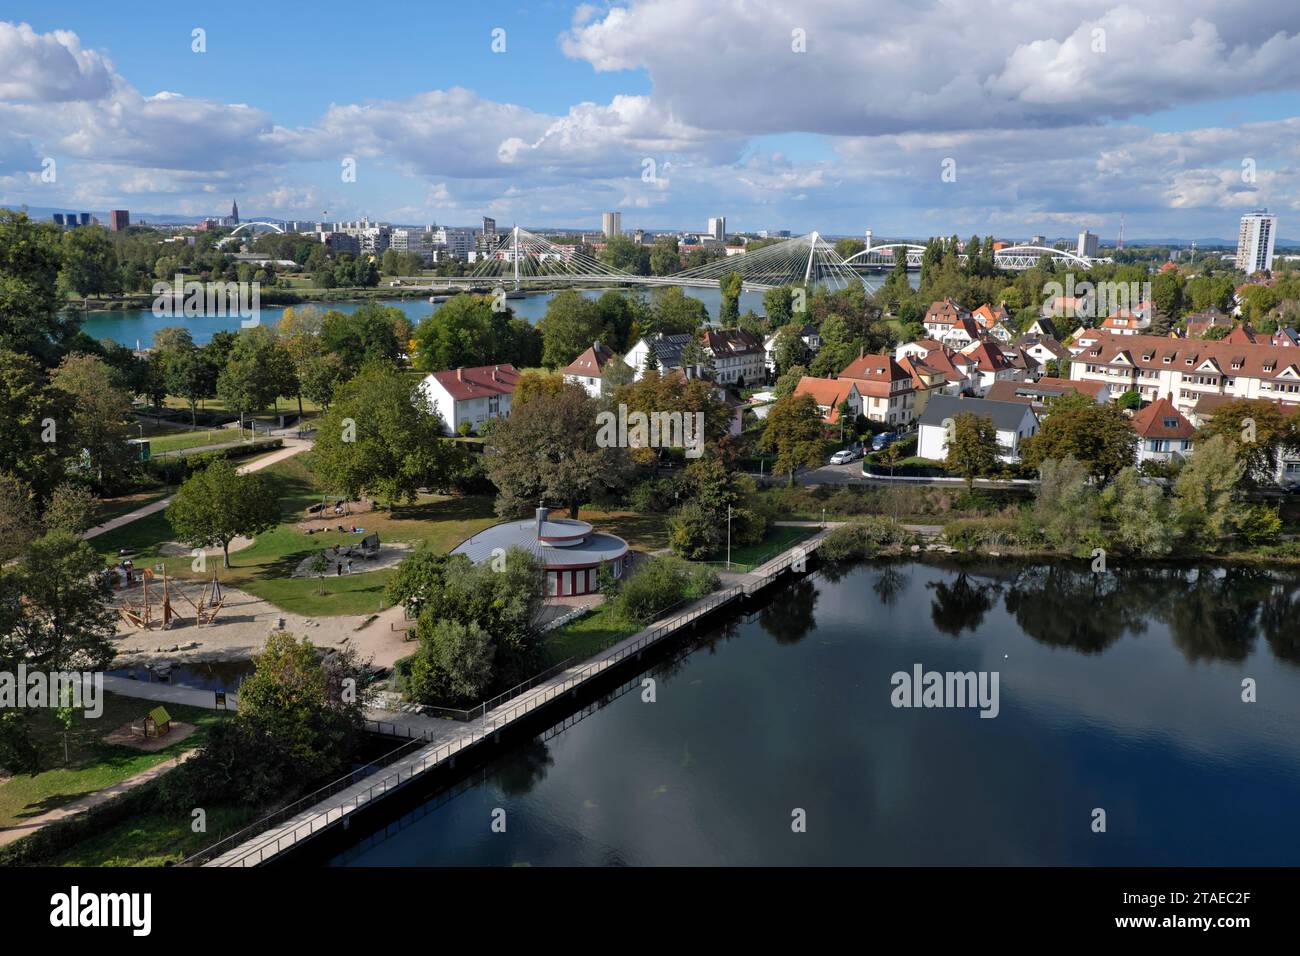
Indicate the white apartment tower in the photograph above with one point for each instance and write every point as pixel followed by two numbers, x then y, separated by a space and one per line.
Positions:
pixel 1087 244
pixel 1255 241
pixel 718 228
pixel 611 224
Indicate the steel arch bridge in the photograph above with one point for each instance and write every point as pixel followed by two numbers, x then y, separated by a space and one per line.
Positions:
pixel 1012 258
pixel 248 225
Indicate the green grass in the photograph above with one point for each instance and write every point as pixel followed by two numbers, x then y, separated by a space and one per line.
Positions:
pixel 778 538
pixel 93 765
pixel 589 635
pixel 109 508
pixel 154 840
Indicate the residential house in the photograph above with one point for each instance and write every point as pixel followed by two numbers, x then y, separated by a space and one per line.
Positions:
pixel 1198 323
pixel 830 394
pixel 1043 328
pixel 942 316
pixel 471 395
pixel 1187 370
pixel 1163 433
pixel 960 371
pixel 995 322
pixel 992 364
pixel 1014 422
pixel 885 386
pixel 738 355
pixel 667 350
pixel 1043 349
pixel 811 338
pixel 1038 395
pixel 591 368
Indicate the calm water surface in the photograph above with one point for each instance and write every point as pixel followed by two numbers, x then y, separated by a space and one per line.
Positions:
pixel 1119 691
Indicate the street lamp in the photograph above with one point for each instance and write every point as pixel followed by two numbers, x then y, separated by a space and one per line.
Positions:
pixel 728 537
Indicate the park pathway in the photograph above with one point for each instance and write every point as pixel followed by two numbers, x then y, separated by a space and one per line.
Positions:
pixel 292 446
pixel 82 804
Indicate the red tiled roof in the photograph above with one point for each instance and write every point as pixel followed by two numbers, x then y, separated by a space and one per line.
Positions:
pixel 826 392
pixel 1161 419
pixel 1150 351
pixel 479 382
pixel 988 357
pixel 1092 389
pixel 591 362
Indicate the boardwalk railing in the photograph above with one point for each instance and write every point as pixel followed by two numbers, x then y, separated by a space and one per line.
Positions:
pixel 492 719
pixel 285 812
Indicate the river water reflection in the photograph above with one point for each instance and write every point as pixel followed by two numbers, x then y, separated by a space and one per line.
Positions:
pixel 1120 691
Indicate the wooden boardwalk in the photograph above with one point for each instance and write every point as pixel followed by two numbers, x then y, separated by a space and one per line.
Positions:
pixel 435 742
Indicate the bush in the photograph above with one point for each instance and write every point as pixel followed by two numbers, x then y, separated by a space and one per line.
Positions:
pixel 454 663
pixel 661 583
pixel 966 534
pixel 862 539
pixel 176 468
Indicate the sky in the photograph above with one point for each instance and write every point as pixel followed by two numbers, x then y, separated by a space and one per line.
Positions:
pixel 906 117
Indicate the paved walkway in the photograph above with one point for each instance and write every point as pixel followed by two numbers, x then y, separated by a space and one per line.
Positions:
pixel 446 738
pixel 166 693
pixel 292 446
pixel 81 804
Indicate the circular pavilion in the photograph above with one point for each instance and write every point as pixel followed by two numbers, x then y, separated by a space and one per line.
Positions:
pixel 569 549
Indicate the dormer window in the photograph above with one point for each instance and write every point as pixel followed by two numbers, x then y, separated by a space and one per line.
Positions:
pixel 1168 359
pixel 1269 367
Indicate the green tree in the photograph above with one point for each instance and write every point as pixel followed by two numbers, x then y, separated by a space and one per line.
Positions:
pixel 34 439
pixel 371 333
pixel 19 522
pixel 1260 432
pixel 256 373
pixel 218 504
pixel 547 450
pixel 379 439
pixel 90 265
pixel 673 312
pixel 1066 507
pixel 1099 436
pixel 454 663
pixel 972 447
pixel 1205 502
pixel 98 418
pixel 71 509
pixel 793 432
pixel 30 319
pixel 571 324
pixel 730 285
pixel 67 620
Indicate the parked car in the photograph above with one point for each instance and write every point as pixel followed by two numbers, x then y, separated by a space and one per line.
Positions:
pixel 883 439
pixel 844 456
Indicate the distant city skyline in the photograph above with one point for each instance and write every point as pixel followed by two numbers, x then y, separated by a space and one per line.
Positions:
pixel 1051 121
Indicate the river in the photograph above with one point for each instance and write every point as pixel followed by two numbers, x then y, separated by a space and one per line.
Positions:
pixel 132 327
pixel 1119 692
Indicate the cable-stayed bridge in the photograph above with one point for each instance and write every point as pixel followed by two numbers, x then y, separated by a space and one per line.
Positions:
pixel 521 258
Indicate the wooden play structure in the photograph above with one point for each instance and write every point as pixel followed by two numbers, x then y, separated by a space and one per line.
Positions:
pixel 158 721
pixel 211 598
pixel 140 613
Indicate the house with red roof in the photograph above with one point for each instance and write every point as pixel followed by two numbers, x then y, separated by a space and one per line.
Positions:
pixel 942 316
pixel 591 367
pixel 885 388
pixel 471 395
pixel 830 394
pixel 1163 433
pixel 992 365
pixel 1188 370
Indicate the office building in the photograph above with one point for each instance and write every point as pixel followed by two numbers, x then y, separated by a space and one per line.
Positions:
pixel 1255 242
pixel 718 228
pixel 611 224
pixel 1087 244
pixel 119 219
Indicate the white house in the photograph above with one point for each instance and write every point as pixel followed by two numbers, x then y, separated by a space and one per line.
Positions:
pixel 470 395
pixel 1014 421
pixel 592 370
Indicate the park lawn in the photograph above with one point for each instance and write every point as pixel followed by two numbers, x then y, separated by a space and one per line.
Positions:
pixel 642 532
pixel 778 538
pixel 92 765
pixel 106 509
pixel 590 634
pixel 180 441
pixel 155 839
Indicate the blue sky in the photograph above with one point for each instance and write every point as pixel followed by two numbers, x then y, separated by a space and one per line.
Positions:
pixel 792 114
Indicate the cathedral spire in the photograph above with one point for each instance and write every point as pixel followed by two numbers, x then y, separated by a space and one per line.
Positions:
pixel 234 212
